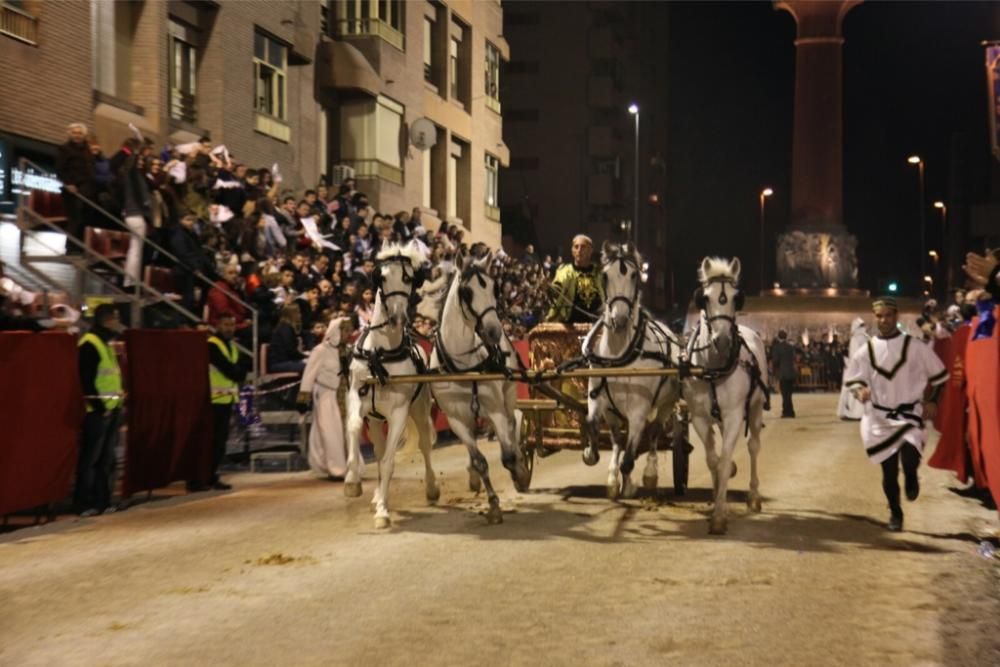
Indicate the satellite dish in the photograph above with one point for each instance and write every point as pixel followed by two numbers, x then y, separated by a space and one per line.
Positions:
pixel 423 133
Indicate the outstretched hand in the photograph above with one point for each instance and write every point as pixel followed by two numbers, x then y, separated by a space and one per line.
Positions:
pixel 979 267
pixel 864 394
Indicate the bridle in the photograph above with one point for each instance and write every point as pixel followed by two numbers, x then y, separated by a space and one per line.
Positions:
pixel 465 299
pixel 623 263
pixel 409 277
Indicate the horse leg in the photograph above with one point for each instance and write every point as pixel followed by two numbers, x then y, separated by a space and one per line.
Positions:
pixel 651 475
pixel 730 432
pixel 510 453
pixel 421 415
pixel 756 424
pixel 397 426
pixel 465 433
pixel 376 433
pixel 355 462
pixel 616 448
pixel 636 424
pixel 706 433
pixel 595 408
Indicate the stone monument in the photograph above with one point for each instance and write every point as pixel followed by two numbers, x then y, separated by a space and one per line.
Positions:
pixel 817 252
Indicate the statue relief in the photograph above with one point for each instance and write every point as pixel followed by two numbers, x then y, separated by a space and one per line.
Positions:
pixel 817 260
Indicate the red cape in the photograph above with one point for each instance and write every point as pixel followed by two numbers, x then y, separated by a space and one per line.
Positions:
pixel 952 449
pixel 982 367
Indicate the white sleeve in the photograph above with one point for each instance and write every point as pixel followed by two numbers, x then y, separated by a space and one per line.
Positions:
pixel 932 365
pixel 312 369
pixel 859 369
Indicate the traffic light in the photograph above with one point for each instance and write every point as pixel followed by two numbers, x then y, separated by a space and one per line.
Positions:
pixel 889 286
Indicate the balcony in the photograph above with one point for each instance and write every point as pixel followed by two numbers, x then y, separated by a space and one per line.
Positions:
pixel 18 24
pixel 342 66
pixel 370 27
pixel 370 168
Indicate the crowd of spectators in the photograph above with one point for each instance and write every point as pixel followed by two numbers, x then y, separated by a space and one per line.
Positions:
pixel 299 258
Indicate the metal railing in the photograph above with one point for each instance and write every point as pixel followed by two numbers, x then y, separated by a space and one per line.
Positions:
pixel 371 27
pixel 139 288
pixel 18 24
pixel 374 169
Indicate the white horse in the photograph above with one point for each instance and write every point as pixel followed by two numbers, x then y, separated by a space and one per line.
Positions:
pixel 470 339
pixel 732 393
pixel 631 339
pixel 385 349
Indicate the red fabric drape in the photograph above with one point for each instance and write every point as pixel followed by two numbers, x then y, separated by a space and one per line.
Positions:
pixel 169 409
pixel 982 368
pixel 951 421
pixel 41 413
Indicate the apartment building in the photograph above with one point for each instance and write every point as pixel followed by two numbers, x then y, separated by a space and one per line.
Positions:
pixel 239 71
pixel 575 69
pixel 411 92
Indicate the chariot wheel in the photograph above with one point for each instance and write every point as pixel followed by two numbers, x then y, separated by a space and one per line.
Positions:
pixel 528 445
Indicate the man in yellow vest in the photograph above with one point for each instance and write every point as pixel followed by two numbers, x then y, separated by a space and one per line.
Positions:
pixel 101 379
pixel 225 373
pixel 578 291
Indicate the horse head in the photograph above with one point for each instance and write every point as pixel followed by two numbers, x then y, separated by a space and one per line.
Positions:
pixel 621 273
pixel 719 298
pixel 396 278
pixel 478 293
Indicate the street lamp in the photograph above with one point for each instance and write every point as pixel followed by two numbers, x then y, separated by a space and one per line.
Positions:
pixel 941 206
pixel 764 194
pixel 915 159
pixel 634 110
pixel 933 254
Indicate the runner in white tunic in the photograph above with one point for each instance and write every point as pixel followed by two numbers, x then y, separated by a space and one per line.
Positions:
pixel 321 378
pixel 849 407
pixel 890 376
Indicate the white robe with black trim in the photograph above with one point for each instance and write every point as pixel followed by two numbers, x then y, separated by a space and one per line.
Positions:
pixel 897 370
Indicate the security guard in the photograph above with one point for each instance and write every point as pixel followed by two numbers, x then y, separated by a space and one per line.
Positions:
pixel 101 379
pixel 225 373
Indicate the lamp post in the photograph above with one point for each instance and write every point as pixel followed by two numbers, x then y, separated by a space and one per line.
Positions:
pixel 933 254
pixel 764 194
pixel 915 159
pixel 634 110
pixel 945 245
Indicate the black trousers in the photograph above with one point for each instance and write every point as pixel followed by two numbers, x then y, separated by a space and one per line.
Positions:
pixel 221 415
pixel 787 387
pixel 890 474
pixel 73 208
pixel 95 467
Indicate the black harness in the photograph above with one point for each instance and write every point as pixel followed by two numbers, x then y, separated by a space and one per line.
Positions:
pixel 715 375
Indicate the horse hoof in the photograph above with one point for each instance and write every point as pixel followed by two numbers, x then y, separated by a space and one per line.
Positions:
pixel 613 491
pixel 732 472
pixel 629 489
pixel 382 522
pixel 591 456
pixel 352 489
pixel 519 484
pixel 754 504
pixel 475 483
pixel 494 515
pixel 433 494
pixel 717 526
pixel 649 482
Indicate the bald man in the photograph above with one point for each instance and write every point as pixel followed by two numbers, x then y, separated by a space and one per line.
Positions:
pixel 577 289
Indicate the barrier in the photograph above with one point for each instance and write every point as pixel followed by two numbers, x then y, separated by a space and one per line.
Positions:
pixel 41 413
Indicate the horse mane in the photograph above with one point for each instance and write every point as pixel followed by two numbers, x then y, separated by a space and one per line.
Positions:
pixel 409 251
pixel 718 269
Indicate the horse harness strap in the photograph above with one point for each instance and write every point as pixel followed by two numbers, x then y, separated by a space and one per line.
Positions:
pixel 714 375
pixel 376 360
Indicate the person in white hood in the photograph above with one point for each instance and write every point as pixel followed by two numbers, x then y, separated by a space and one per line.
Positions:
pixel 850 407
pixel 327 454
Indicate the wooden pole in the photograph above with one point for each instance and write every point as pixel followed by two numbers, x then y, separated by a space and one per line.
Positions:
pixel 532 375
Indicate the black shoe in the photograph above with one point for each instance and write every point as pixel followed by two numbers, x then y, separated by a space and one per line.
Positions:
pixel 195 487
pixel 219 485
pixel 912 487
pixel 895 523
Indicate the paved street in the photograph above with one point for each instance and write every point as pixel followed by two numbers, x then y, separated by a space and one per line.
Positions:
pixel 285 570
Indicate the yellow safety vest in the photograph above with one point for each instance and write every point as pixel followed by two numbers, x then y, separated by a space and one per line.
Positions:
pixel 224 390
pixel 109 375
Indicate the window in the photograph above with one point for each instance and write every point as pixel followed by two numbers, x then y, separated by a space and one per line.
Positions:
pixel 370 138
pixel 270 66
pixel 112 26
pixel 492 77
pixel 381 18
pixel 183 68
pixel 18 23
pixel 453 47
pixel 428 50
pixel 492 187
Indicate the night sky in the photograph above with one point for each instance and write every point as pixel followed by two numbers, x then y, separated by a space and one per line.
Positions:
pixel 913 83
